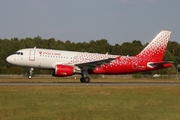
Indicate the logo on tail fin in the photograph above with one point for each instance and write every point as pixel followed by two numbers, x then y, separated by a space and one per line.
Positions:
pixel 156 48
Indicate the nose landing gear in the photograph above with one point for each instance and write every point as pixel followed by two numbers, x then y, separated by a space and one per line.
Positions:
pixel 30 73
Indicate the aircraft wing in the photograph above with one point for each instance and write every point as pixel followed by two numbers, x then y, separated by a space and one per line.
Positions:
pixel 155 64
pixel 93 64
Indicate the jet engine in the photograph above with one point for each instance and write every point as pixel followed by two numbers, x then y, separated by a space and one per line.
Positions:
pixel 63 70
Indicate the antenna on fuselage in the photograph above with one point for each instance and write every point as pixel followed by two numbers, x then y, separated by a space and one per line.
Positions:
pixel 34 47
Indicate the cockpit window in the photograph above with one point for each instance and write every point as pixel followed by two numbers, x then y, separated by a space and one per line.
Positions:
pixel 18 53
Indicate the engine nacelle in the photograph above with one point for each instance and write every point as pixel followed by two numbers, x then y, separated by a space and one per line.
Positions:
pixel 63 70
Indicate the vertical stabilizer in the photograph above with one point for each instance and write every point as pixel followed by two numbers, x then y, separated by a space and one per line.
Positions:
pixel 156 48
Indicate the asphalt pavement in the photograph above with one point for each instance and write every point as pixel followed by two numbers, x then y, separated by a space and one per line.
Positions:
pixel 95 84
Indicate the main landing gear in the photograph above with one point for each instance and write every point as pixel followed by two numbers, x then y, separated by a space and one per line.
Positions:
pixel 84 78
pixel 30 73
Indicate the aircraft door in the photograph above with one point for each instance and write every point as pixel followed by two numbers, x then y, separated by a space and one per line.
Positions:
pixel 135 63
pixel 32 55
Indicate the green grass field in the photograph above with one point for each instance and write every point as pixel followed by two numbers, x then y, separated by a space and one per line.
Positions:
pixel 89 103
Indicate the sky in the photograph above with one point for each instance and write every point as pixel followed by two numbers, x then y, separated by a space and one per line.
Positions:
pixel 117 21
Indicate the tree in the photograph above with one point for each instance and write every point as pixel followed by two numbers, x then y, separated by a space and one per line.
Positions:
pixel 99 46
pixel 9 46
pixel 116 49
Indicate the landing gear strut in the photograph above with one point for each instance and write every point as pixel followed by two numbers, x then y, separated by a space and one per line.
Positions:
pixel 84 78
pixel 30 73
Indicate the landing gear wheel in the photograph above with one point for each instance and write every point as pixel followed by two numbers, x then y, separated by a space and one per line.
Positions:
pixel 30 77
pixel 85 79
pixel 82 79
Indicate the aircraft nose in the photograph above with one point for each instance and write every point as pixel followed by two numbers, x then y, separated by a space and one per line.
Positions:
pixel 9 59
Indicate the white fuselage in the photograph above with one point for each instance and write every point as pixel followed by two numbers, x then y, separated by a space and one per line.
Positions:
pixel 48 59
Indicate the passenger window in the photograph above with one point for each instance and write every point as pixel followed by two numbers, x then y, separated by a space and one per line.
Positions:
pixel 21 53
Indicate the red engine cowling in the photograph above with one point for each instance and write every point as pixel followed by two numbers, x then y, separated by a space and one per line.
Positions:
pixel 63 70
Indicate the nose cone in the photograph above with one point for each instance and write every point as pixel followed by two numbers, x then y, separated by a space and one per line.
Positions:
pixel 9 59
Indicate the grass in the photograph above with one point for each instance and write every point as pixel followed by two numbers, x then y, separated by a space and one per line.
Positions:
pixel 89 103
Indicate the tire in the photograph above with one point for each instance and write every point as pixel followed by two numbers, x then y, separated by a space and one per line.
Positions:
pixel 30 77
pixel 82 79
pixel 86 79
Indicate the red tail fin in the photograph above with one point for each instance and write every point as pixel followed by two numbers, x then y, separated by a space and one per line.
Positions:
pixel 156 48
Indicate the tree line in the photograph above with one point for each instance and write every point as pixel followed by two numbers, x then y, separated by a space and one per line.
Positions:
pixel 9 46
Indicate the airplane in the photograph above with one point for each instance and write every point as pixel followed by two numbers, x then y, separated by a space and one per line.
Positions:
pixel 67 63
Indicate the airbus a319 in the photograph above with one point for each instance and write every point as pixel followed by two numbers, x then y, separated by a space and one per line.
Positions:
pixel 67 63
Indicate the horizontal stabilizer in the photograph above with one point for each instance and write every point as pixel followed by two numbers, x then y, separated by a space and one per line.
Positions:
pixel 156 64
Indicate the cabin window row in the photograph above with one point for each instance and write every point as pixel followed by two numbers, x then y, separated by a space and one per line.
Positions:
pixel 56 56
